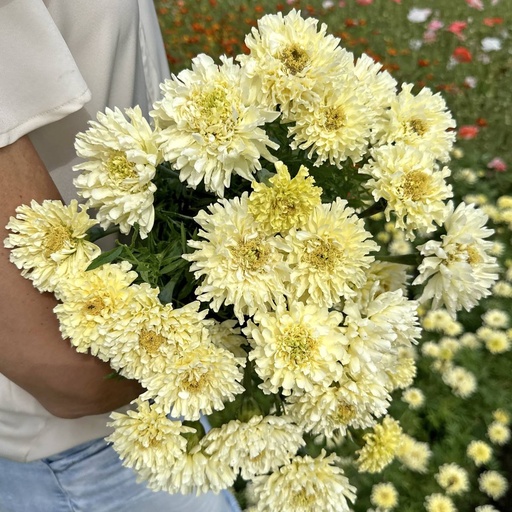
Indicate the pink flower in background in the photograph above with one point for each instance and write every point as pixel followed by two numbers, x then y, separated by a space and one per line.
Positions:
pixel 468 131
pixel 477 4
pixel 497 164
pixel 364 2
pixel 435 25
pixel 456 28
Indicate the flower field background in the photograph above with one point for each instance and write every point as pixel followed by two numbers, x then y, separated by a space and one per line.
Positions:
pixel 458 411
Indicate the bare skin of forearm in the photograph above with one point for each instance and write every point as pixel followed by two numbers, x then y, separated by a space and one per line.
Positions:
pixel 33 353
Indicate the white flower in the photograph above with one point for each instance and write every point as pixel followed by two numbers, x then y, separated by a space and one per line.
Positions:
pixel 240 266
pixel 329 256
pixel 420 120
pixel 120 161
pixel 210 127
pixel 305 484
pixel 458 269
pixel 413 454
pixel 255 447
pixel 452 478
pixel 491 44
pixel 412 185
pixel 296 348
pixel 291 60
pixel 48 242
pixel 197 381
pixel 462 381
pixel 417 15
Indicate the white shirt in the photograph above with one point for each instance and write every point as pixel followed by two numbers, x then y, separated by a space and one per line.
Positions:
pixel 62 61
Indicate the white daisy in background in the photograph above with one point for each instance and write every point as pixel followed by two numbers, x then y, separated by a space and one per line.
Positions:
pixel 48 242
pixel 210 127
pixel 413 397
pixel 413 454
pixel 413 186
pixel 92 303
pixel 291 59
pixel 458 270
pixel 384 496
pixel 147 441
pixel 479 452
pixel 255 447
pixel 452 478
pixel 304 484
pixel 120 156
pixel 401 370
pixel 420 120
pixel 296 348
pixel 462 382
pixel 336 126
pixel 196 381
pixel 329 257
pixel 237 264
pixel 493 484
pixel 438 502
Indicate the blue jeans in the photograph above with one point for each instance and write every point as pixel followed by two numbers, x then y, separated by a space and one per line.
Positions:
pixel 90 478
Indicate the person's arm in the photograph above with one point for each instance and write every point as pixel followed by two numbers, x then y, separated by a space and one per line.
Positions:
pixel 32 351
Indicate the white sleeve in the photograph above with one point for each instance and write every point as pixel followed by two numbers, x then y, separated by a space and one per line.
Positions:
pixel 39 80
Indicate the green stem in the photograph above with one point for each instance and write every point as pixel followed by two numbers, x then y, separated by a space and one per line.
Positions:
pixel 402 259
pixel 375 208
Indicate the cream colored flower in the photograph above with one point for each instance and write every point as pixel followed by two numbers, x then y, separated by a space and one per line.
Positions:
pixel 194 472
pixel 384 496
pixel 413 454
pixel 92 302
pixel 380 446
pixel 120 156
pixel 452 478
pixel 210 126
pixel 334 127
pixel 239 265
pixel 329 256
pixel 479 452
pixel 413 186
pixel 458 270
pixel 420 120
pixel 196 381
pixel 353 401
pixel 285 202
pixel 486 508
pixel 498 433
pixel 381 88
pixel 439 503
pixel 497 342
pixel 401 370
pixel 493 484
pixel 413 397
pixel 496 318
pixel 147 441
pixel 255 447
pixel 296 348
pixel 143 340
pixel 291 60
pixel 303 485
pixel 462 382
pixel 228 335
pixel 48 242
pixel 388 276
pixel 501 416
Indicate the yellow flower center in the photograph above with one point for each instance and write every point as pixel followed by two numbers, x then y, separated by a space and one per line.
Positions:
pixel 322 255
pixel 415 184
pixel 467 253
pixel 55 239
pixel 250 255
pixel 345 413
pixel 119 168
pixel 474 256
pixel 294 58
pixel 302 500
pixel 334 118
pixel 195 383
pixel 296 344
pixel 94 306
pixel 418 126
pixel 150 340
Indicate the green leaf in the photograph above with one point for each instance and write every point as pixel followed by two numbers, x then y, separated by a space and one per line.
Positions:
pixel 106 257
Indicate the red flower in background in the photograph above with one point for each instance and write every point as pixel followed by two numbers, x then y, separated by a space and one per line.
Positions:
pixel 457 27
pixel 462 54
pixel 468 131
pixel 491 22
pixel 364 2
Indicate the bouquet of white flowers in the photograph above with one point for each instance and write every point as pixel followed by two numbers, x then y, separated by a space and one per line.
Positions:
pixel 254 273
